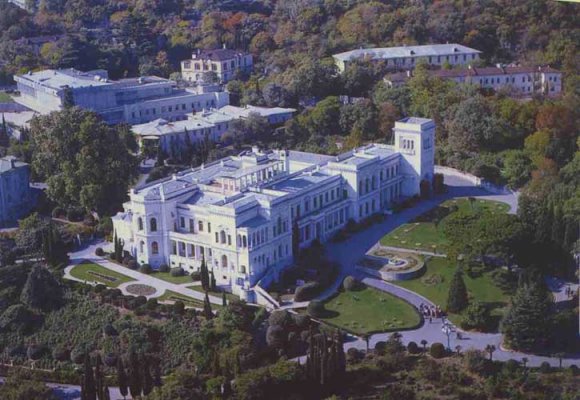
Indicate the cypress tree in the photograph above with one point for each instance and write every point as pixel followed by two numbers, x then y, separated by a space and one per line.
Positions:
pixel 99 378
pixel 106 393
pixel 212 283
pixel 570 233
pixel 147 379
pixel 527 324
pixel 90 391
pixel 122 378
pixel 295 241
pixel 457 298
pixel 204 275
pixel 4 138
pixel 558 226
pixel 224 300
pixel 134 375
pixel 207 307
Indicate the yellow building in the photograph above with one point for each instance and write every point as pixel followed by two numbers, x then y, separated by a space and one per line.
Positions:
pixel 223 62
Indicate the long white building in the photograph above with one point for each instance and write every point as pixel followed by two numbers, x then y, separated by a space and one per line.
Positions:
pixel 238 213
pixel 406 57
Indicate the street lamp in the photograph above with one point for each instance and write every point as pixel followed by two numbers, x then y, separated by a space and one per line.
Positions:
pixel 447 330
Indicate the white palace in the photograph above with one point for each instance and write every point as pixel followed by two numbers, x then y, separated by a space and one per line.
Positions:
pixel 238 213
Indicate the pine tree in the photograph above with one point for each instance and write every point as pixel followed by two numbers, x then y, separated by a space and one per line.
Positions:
pixel 122 378
pixel 457 298
pixel 90 391
pixel 207 307
pixel 527 323
pixel 204 275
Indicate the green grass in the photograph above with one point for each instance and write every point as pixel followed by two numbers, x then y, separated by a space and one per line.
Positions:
pixel 424 234
pixel 188 301
pixel 93 272
pixel 166 276
pixel 229 296
pixel 5 98
pixel 434 285
pixel 370 310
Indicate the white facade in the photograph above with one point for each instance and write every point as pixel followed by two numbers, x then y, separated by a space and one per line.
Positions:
pixel 132 100
pixel 405 57
pixel 238 213
pixel 224 63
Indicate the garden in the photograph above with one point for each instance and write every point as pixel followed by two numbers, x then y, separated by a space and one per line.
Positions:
pixel 365 310
pixel 426 232
pixel 92 272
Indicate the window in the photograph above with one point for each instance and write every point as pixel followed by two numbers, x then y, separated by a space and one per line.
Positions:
pixel 217 237
pixel 154 248
pixel 141 247
pixel 200 226
pixel 209 227
pixel 191 226
pixel 229 240
pixel 182 222
pixel 153 225
pixel 223 236
pixel 173 247
pixel 224 261
pixel 140 223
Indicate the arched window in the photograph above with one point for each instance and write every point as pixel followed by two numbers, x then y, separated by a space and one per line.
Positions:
pixel 224 261
pixel 140 223
pixel 141 247
pixel 223 236
pixel 153 225
pixel 242 269
pixel 154 248
pixel 244 241
pixel 239 241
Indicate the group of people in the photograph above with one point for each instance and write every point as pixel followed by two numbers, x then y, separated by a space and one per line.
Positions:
pixel 430 312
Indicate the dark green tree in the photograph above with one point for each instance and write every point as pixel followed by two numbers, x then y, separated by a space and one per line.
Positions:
pixel 4 138
pixel 41 290
pixel 89 390
pixel 527 324
pixel 208 314
pixel 147 378
pixel 204 275
pixel 212 283
pixel 135 380
pixel 224 300
pixel 122 378
pixel 457 299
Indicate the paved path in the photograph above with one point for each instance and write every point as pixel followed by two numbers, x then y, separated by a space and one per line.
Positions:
pixel 88 254
pixel 347 253
pixel 404 250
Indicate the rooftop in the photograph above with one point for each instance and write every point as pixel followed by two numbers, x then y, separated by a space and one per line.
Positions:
pixel 218 54
pixel 9 163
pixel 406 51
pixel 244 112
pixel 162 127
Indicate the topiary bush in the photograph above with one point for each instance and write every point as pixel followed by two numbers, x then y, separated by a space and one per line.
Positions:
pixel 279 318
pixel 353 355
pixel 413 348
pixel 545 367
pixel 380 348
pixel 301 321
pixel 145 269
pixel 196 276
pixel 306 291
pixel 61 353
pixel 163 268
pixel 126 260
pixel 178 307
pixel 133 264
pixel 99 252
pixel 316 309
pixel 75 214
pixel 350 283
pixel 177 272
pixel 437 350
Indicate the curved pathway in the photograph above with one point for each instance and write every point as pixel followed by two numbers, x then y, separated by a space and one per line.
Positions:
pixel 347 253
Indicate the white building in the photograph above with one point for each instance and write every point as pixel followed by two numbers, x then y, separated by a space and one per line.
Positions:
pixel 132 100
pixel 238 213
pixel 405 57
pixel 522 81
pixel 274 115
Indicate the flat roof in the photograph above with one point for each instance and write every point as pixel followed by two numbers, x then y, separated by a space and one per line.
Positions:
pixel 406 51
pixel 162 127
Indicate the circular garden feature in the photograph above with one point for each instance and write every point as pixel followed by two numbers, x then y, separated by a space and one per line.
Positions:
pixel 139 289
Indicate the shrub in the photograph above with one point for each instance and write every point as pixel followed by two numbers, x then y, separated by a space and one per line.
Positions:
pixel 145 269
pixel 279 318
pixel 35 351
pixel 126 260
pixel 316 308
pixel 61 353
pixel 350 283
pixel 58 212
pixel 110 360
pixel 573 370
pixel 380 348
pixel 178 307
pixel 545 367
pixel 196 276
pixel 99 252
pixel 413 348
pixel 475 361
pixel 75 214
pixel 89 220
pixel 353 355
pixel 301 321
pixel 152 304
pixel 100 288
pixel 437 350
pixel 77 356
pixel 133 264
pixel 163 268
pixel 109 330
pixel 177 271
pixel 306 291
pixel 275 336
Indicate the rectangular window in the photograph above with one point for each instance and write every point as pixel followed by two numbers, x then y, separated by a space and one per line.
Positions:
pixel 209 227
pixel 217 237
pixel 181 222
pixel 200 226
pixel 191 225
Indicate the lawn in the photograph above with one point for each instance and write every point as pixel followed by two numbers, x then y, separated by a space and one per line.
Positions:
pixel 5 98
pixel 166 276
pixel 434 285
pixel 93 272
pixel 188 301
pixel 427 235
pixel 370 310
pixel 229 296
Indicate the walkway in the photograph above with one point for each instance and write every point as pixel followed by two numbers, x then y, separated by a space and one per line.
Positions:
pixel 161 286
pixel 347 253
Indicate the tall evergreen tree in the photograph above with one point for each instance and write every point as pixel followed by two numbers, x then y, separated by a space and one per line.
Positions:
pixel 147 379
pixel 208 314
pixel 122 378
pixel 527 324
pixel 558 226
pixel 457 298
pixel 224 300
pixel 89 388
pixel 4 137
pixel 204 275
pixel 295 241
pixel 99 378
pixel 134 375
pixel 212 283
